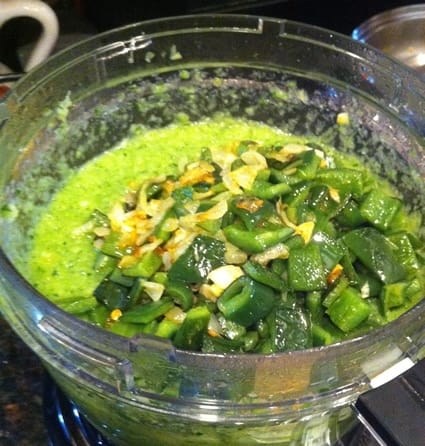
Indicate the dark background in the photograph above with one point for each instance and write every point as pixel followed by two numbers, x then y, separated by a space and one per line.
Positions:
pixel 79 18
pixel 341 15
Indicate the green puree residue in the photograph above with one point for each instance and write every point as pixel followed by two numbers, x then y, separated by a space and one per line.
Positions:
pixel 61 261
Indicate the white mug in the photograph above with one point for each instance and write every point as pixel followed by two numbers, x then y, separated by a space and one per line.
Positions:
pixel 41 12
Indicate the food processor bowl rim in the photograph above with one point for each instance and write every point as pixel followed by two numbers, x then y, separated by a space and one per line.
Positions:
pixel 289 28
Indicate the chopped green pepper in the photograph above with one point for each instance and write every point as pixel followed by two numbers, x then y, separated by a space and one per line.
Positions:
pixel 379 209
pixel 145 267
pixel 203 255
pixel 143 314
pixel 375 251
pixel 257 240
pixel 190 334
pixel 313 252
pixel 112 295
pixel 306 271
pixel 348 310
pixel 264 275
pixel 251 210
pixel 246 301
pixel 181 293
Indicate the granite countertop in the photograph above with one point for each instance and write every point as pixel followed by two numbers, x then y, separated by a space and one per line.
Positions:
pixel 21 392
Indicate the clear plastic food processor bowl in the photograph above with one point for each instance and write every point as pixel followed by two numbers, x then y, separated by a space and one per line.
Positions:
pixel 84 101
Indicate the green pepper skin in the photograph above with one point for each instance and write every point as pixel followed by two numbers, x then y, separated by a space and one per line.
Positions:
pixel 375 251
pixel 251 213
pixel 112 295
pixel 181 293
pixel 257 240
pixel 246 301
pixel 346 181
pixel 264 275
pixel 290 329
pixel 143 314
pixel 191 333
pixel 306 271
pixel 379 209
pixel 203 255
pixel 349 310
pixel 146 267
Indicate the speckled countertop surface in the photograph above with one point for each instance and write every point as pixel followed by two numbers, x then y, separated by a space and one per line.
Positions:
pixel 21 392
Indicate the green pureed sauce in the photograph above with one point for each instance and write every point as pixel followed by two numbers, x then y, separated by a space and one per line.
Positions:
pixel 61 261
pixel 320 249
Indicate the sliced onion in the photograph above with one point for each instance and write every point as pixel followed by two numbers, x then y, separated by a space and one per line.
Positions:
pixel 254 158
pixel 224 275
pixel 154 290
pixel 244 176
pixel 279 251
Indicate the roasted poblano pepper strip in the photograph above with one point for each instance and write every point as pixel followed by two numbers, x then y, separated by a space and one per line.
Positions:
pixel 190 334
pixel 166 329
pixel 203 255
pixel 325 333
pixel 394 295
pixel 181 293
pixel 310 163
pixel 289 328
pixel 104 263
pixel 246 301
pixel 111 246
pixel 347 181
pixel 78 306
pixel 376 253
pixel 125 328
pixel 306 270
pixel 405 251
pixel 264 275
pixel 112 294
pixel 331 250
pixel 222 345
pixel 379 209
pixel 350 215
pixel 145 313
pixel 145 267
pixel 117 276
pixel 348 310
pixel 257 240
pixel 251 210
pixel 267 191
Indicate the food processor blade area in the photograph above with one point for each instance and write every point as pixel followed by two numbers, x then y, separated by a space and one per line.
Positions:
pixel 66 426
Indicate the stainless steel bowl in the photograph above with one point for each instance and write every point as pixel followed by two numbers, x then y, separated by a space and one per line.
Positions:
pixel 398 32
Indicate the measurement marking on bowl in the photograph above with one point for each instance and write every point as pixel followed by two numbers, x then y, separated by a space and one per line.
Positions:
pixel 123 48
